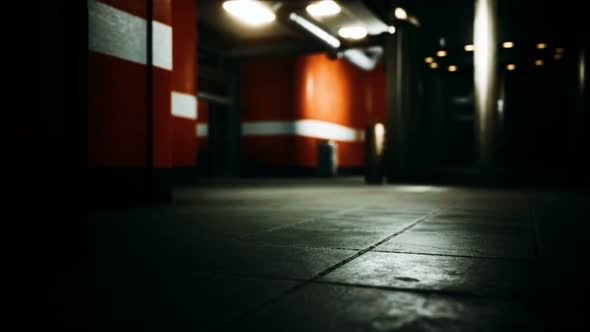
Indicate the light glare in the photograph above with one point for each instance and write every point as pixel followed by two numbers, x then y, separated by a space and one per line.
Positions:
pixel 400 13
pixel 434 65
pixel 538 62
pixel 441 53
pixel 249 12
pixel 452 68
pixel 354 32
pixel 541 46
pixel 391 29
pixel 429 59
pixel 469 48
pixel 314 29
pixel 508 44
pixel 323 8
pixel 511 67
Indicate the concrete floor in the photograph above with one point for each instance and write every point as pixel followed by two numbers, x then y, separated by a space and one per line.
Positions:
pixel 337 255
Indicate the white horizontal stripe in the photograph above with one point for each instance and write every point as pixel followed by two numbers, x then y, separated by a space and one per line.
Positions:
pixel 184 105
pixel 202 130
pixel 119 34
pixel 308 128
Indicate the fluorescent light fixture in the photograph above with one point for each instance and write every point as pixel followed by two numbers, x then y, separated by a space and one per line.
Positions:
pixel 314 29
pixel 249 12
pixel 433 65
pixel 441 53
pixel 400 13
pixel 469 48
pixel 508 44
pixel 541 46
pixel 391 29
pixel 323 8
pixel 360 59
pixel 452 68
pixel 539 62
pixel 511 66
pixel 429 59
pixel 353 32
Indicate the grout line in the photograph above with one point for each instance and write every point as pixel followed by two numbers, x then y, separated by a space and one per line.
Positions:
pixel 326 271
pixel 514 259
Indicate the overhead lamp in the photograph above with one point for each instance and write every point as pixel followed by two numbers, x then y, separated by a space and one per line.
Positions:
pixel 508 44
pixel 557 56
pixel 353 32
pixel 541 46
pixel 400 13
pixel 452 68
pixel 323 8
pixel 559 50
pixel 441 53
pixel 391 29
pixel 315 30
pixel 469 48
pixel 249 12
pixel 511 67
pixel 433 65
pixel 429 59
pixel 539 62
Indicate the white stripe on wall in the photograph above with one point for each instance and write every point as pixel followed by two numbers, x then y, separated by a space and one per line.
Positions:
pixel 308 128
pixel 184 105
pixel 119 34
pixel 202 130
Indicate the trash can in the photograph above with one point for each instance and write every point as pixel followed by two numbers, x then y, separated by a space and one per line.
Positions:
pixel 327 158
pixel 374 146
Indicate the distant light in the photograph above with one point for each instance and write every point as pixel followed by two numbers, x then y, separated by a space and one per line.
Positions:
pixel 400 13
pixel 508 44
pixel 557 56
pixel 323 8
pixel 314 29
pixel 433 65
pixel 469 48
pixel 353 32
pixel 541 46
pixel 249 12
pixel 441 53
pixel 539 62
pixel 452 68
pixel 391 29
pixel 379 138
pixel 511 66
pixel 559 50
pixel 429 59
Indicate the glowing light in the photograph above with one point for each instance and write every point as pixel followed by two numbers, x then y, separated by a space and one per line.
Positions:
pixel 314 29
pixel 511 67
pixel 469 48
pixel 441 53
pixel 557 56
pixel 400 13
pixel 353 32
pixel 539 62
pixel 379 138
pixel 323 8
pixel 434 65
pixel 541 46
pixel 391 29
pixel 559 50
pixel 429 59
pixel 508 44
pixel 452 68
pixel 249 12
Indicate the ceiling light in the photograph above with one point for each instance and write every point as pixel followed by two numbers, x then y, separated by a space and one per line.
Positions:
pixel 434 65
pixel 541 46
pixel 469 48
pixel 559 50
pixel 441 53
pixel 511 66
pixel 249 12
pixel 314 29
pixel 354 32
pixel 508 44
pixel 323 8
pixel 538 62
pixel 400 13
pixel 557 56
pixel 429 59
pixel 391 29
pixel 452 68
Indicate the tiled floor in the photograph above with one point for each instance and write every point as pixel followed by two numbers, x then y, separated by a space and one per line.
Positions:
pixel 336 255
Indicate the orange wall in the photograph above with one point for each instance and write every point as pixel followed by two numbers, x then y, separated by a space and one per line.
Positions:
pixel 309 87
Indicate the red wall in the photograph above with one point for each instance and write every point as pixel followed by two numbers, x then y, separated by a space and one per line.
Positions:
pixel 184 37
pixel 309 87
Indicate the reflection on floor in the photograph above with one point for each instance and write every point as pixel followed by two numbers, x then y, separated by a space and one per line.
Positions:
pixel 323 255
